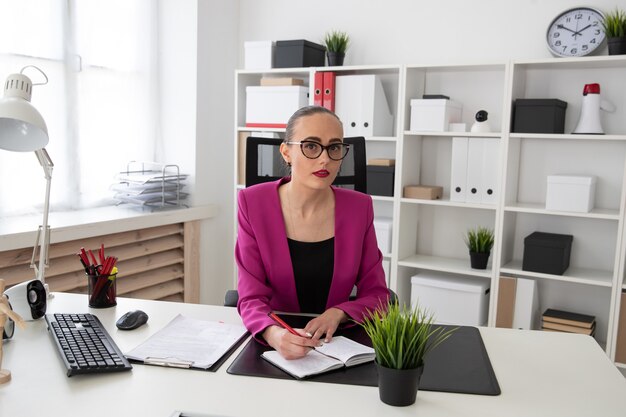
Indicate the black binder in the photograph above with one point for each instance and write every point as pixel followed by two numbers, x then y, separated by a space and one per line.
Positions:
pixel 460 364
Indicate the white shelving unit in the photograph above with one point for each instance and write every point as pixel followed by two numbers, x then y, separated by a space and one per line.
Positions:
pixel 427 234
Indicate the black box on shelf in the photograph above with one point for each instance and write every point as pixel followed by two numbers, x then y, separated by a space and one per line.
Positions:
pixel 538 115
pixel 380 180
pixel 547 253
pixel 298 53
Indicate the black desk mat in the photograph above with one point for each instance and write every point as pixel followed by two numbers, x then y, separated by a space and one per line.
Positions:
pixel 460 364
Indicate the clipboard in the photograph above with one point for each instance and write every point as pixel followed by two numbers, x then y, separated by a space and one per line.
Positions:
pixel 190 344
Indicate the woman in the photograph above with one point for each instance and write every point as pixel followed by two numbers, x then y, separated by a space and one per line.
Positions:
pixel 303 245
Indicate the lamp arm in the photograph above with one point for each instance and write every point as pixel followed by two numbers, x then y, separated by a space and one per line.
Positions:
pixel 43 234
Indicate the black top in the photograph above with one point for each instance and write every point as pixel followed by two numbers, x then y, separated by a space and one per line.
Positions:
pixel 313 265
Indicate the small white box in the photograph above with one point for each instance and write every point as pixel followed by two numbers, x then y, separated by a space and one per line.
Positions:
pixel 273 106
pixel 258 55
pixel 453 299
pixel 383 227
pixel 571 193
pixel 434 115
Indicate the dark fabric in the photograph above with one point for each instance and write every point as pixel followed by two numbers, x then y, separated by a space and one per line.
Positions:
pixel 460 364
pixel 313 272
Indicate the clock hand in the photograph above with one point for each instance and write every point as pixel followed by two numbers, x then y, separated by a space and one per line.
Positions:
pixel 578 32
pixel 566 28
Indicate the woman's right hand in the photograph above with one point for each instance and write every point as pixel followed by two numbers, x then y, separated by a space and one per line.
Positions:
pixel 289 345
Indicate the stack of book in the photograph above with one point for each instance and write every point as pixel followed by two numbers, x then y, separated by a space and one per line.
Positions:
pixel 565 321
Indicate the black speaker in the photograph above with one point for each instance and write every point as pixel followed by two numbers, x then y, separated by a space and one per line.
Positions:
pixel 28 299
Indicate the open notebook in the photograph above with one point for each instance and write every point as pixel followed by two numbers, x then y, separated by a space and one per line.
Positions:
pixel 339 352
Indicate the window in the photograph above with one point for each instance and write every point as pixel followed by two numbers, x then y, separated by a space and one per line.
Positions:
pixel 100 103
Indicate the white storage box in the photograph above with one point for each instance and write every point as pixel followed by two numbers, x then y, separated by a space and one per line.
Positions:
pixel 453 299
pixel 434 115
pixel 273 106
pixel 383 226
pixel 362 106
pixel 571 193
pixel 258 55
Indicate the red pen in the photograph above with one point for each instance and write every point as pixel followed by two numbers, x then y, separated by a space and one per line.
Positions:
pixel 283 324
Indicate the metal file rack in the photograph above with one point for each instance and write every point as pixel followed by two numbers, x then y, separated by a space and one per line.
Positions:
pixel 150 185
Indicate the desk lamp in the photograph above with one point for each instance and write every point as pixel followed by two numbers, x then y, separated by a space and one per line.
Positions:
pixel 22 129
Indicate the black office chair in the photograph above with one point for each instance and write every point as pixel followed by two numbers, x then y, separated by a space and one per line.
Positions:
pixel 264 163
pixel 232 296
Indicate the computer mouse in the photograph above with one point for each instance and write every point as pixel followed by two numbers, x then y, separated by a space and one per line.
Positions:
pixel 132 320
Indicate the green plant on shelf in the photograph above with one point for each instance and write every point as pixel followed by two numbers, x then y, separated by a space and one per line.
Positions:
pixel 614 24
pixel 336 41
pixel 479 239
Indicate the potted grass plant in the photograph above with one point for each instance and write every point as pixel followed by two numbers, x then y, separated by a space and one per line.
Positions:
pixel 614 25
pixel 479 241
pixel 336 45
pixel 401 338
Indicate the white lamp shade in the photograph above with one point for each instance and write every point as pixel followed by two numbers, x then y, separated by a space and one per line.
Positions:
pixel 22 128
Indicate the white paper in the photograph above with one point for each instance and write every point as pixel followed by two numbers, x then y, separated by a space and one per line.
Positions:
pixel 199 343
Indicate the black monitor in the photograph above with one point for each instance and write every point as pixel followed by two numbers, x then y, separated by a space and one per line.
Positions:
pixel 264 163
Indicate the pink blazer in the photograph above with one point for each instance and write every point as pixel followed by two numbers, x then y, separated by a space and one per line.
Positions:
pixel 266 281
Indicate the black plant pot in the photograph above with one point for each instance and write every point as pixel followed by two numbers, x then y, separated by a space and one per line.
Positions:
pixel 335 59
pixel 478 260
pixel 398 387
pixel 617 46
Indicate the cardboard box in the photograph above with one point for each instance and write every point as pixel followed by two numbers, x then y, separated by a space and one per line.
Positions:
pixel 258 55
pixel 548 253
pixel 538 115
pixel 571 193
pixel 434 115
pixel 273 106
pixel 278 81
pixel 453 299
pixel 423 192
pixel 379 162
pixel 383 227
pixel 299 53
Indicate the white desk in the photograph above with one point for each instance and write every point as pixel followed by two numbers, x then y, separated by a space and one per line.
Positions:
pixel 540 374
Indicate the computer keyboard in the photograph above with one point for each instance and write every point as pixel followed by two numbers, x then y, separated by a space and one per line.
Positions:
pixel 84 345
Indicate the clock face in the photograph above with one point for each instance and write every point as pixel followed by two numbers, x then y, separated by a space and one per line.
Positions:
pixel 575 32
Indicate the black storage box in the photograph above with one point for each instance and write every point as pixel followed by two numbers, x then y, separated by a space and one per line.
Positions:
pixel 547 253
pixel 380 180
pixel 538 115
pixel 298 53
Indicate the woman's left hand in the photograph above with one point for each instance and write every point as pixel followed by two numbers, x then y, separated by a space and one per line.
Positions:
pixel 326 324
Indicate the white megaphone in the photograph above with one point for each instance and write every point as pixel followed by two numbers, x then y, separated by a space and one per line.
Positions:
pixel 589 121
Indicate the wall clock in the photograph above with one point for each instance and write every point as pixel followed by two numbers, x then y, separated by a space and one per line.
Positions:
pixel 576 32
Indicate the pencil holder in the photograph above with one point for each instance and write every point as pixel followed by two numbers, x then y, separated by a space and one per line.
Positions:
pixel 102 290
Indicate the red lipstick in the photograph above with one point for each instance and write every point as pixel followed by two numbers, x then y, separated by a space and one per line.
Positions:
pixel 322 173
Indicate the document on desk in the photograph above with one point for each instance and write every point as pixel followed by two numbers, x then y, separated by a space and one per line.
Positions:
pixel 189 343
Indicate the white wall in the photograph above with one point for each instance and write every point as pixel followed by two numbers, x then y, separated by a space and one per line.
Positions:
pixel 198 55
pixel 413 31
pixel 382 32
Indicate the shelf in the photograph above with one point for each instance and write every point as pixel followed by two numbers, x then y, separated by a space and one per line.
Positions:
pixel 456 134
pixel 554 136
pixel 448 203
pixel 589 62
pixel 584 276
pixel 596 213
pixel 381 139
pixel 260 129
pixel 382 198
pixel 282 71
pixel 438 263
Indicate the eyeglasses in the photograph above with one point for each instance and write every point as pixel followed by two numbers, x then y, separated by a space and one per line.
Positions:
pixel 313 150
